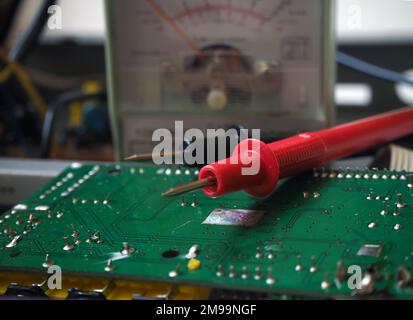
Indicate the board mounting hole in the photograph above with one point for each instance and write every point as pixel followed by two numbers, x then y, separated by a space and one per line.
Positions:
pixel 173 253
pixel 15 254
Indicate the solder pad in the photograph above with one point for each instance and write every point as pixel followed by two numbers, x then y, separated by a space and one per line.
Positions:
pixel 308 227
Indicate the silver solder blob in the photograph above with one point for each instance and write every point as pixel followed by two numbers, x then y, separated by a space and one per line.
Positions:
pixel 110 266
pixel 127 250
pixel 47 262
pixel 193 252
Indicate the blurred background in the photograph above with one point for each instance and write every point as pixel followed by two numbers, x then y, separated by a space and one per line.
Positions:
pixel 53 82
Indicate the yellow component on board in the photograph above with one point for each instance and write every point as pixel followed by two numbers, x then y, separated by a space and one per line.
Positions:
pixel 194 264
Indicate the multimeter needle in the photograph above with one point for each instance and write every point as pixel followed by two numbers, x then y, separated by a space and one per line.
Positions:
pixel 176 28
pixel 192 186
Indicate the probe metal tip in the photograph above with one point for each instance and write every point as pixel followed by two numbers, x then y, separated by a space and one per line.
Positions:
pixel 192 186
pixel 149 156
pixel 139 157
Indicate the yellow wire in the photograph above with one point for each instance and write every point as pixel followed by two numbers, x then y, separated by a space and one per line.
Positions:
pixel 13 68
pixel 5 74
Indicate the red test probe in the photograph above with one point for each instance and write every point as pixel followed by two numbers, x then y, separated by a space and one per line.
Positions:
pixel 295 155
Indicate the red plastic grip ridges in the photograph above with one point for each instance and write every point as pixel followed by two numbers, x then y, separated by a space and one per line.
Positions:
pixel 298 153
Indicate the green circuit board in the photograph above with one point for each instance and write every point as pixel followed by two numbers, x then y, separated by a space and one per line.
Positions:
pixel 110 220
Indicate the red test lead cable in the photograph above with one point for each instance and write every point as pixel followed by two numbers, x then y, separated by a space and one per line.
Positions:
pixel 297 154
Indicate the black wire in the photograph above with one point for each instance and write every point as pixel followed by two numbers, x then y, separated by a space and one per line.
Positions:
pixel 8 16
pixel 61 102
pixel 12 119
pixel 31 36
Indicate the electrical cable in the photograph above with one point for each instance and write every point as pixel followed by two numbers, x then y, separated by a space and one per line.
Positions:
pixel 61 102
pixel 10 111
pixel 7 18
pixel 14 68
pixel 371 69
pixel 61 82
pixel 31 36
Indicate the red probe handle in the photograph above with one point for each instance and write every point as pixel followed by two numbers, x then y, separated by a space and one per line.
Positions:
pixel 360 135
pixel 301 153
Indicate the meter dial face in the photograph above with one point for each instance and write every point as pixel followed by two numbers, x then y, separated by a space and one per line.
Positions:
pixel 220 55
pixel 216 63
pixel 169 28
